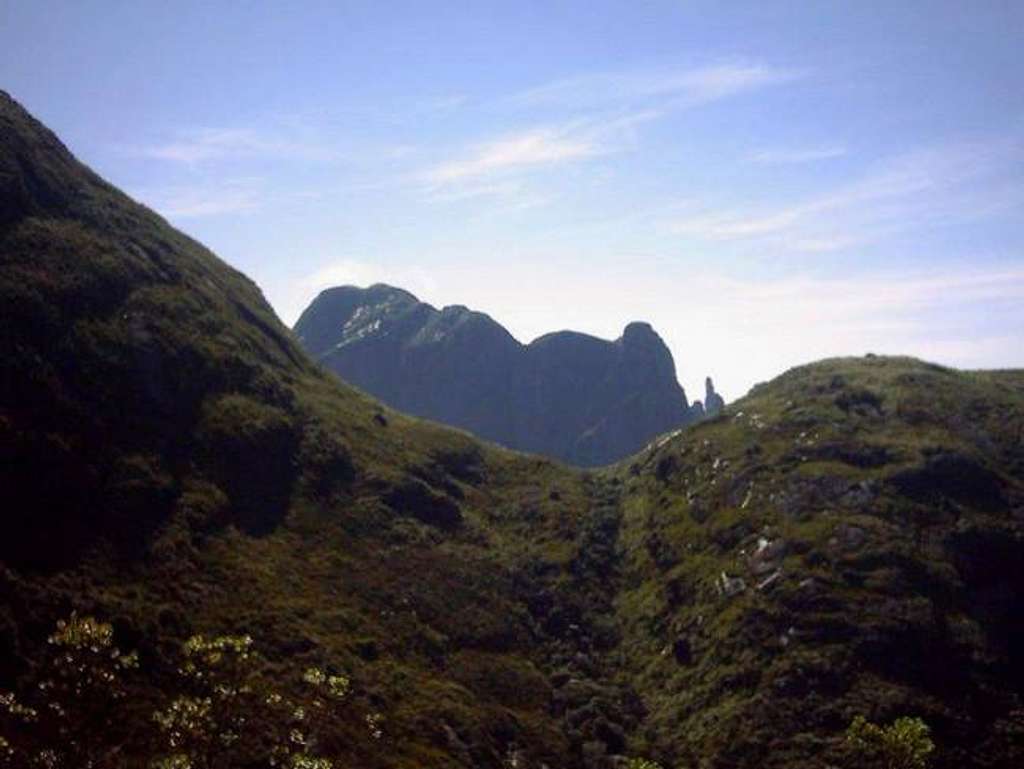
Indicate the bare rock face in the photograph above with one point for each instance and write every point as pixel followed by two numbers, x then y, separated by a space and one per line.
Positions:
pixel 713 402
pixel 584 400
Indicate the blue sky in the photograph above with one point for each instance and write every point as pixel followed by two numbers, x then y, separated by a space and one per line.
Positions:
pixel 768 183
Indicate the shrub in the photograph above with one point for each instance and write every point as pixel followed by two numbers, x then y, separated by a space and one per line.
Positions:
pixel 642 763
pixel 216 711
pixel 69 717
pixel 906 743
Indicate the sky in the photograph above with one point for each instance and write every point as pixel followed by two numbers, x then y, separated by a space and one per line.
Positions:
pixel 767 183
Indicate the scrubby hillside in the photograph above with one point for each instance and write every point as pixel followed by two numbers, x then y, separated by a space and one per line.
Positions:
pixel 173 462
pixel 846 540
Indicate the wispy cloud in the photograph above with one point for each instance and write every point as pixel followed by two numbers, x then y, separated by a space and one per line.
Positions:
pixel 944 182
pixel 470 190
pixel 232 196
pixel 791 155
pixel 679 87
pixel 492 166
pixel 198 145
pixel 605 111
pixel 730 225
pixel 533 148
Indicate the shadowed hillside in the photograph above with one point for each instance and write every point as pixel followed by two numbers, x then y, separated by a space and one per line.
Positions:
pixel 846 540
pixel 173 462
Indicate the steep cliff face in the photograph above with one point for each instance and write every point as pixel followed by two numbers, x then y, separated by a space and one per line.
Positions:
pixel 584 400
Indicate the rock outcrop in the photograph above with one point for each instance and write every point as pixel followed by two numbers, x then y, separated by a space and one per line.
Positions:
pixel 713 402
pixel 584 400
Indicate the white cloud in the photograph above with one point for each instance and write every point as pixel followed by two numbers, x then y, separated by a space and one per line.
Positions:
pixel 537 147
pixel 199 145
pixel 497 166
pixel 504 189
pixel 947 182
pixel 613 105
pixel 792 155
pixel 718 82
pixel 678 87
pixel 733 226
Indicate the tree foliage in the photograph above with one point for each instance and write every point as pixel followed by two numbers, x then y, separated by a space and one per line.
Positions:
pixel 642 763
pixel 218 710
pixel 906 743
pixel 68 718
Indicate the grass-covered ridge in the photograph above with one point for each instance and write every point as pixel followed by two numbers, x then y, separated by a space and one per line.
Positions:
pixel 174 465
pixel 868 517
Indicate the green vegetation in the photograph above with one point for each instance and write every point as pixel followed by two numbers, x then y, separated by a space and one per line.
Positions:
pixel 848 504
pixel 846 539
pixel 906 743
pixel 642 763
pixel 215 709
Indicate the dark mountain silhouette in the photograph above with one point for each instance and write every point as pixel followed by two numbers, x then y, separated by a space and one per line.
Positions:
pixel 568 395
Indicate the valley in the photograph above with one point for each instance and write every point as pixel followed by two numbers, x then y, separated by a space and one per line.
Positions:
pixel 843 541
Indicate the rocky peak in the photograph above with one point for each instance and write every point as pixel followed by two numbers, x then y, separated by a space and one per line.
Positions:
pixel 713 402
pixel 567 394
pixel 639 332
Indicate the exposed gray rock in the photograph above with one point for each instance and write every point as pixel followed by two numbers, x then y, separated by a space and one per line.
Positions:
pixel 730 586
pixel 713 402
pixel 584 400
pixel 767 555
pixel 770 580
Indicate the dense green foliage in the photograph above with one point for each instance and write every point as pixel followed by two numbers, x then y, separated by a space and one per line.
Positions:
pixel 214 709
pixel 906 743
pixel 846 540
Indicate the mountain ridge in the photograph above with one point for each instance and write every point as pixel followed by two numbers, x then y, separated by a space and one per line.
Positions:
pixel 567 394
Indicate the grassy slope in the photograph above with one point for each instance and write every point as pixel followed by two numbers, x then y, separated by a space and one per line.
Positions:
pixel 174 462
pixel 177 465
pixel 891 495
